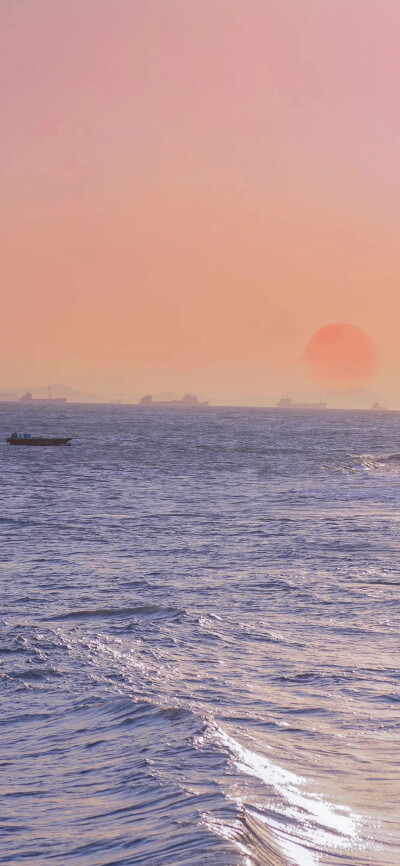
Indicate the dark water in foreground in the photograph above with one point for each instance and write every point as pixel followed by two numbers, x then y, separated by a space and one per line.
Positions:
pixel 200 635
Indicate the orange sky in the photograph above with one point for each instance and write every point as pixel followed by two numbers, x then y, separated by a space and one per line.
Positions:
pixel 190 188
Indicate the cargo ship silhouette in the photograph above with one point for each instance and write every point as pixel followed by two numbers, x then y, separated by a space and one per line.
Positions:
pixel 28 398
pixel 187 400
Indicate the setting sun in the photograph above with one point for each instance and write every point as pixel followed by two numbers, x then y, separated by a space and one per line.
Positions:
pixel 341 356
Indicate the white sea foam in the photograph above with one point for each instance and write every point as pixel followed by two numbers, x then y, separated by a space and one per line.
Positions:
pixel 323 824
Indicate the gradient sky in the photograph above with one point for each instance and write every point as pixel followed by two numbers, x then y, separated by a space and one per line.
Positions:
pixel 190 188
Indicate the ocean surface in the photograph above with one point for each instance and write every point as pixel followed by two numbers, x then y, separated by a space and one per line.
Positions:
pixel 200 638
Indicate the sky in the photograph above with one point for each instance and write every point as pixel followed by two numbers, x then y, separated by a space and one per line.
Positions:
pixel 191 188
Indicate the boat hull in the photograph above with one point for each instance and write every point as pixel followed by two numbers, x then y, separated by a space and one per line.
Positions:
pixel 38 440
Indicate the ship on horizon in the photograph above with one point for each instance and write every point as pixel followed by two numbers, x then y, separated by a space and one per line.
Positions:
pixel 376 407
pixel 287 403
pixel 28 398
pixel 188 400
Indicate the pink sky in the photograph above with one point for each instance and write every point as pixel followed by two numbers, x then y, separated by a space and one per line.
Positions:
pixel 191 188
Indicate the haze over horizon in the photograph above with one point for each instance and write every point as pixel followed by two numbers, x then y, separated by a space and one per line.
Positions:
pixel 191 190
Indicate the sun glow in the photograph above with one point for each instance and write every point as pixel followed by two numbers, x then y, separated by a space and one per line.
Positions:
pixel 341 356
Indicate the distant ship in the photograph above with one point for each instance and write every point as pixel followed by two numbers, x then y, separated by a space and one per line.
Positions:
pixel 376 407
pixel 27 398
pixel 187 400
pixel 287 403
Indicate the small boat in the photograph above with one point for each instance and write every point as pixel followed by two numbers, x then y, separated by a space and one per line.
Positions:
pixel 27 439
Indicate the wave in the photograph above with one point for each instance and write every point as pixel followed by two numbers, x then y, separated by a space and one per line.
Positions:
pixel 140 610
pixel 376 462
pixel 295 826
pixel 261 842
pixel 286 824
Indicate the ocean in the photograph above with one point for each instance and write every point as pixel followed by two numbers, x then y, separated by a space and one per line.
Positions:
pixel 200 638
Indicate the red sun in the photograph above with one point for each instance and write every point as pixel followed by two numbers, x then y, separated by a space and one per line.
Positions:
pixel 341 356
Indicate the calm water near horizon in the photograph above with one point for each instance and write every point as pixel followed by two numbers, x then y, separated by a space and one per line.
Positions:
pixel 199 638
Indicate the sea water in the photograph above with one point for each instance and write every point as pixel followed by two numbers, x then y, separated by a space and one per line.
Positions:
pixel 200 637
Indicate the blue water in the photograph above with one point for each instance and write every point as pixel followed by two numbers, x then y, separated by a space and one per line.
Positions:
pixel 199 638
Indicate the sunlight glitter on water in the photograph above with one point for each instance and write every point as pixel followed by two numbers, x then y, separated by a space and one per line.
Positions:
pixel 311 811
